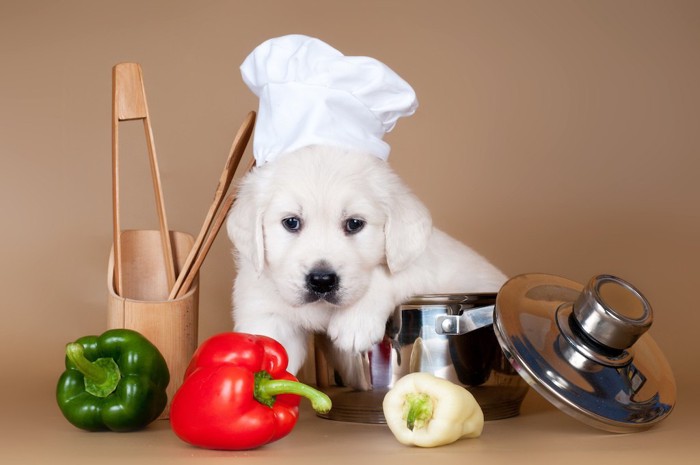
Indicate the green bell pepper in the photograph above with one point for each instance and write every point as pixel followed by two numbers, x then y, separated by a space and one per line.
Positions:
pixel 115 381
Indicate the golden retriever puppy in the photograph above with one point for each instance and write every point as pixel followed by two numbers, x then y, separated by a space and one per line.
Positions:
pixel 330 241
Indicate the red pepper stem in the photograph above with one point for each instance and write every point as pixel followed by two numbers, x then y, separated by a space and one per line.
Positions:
pixel 266 389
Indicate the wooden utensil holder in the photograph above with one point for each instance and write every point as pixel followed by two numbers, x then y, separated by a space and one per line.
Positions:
pixel 171 325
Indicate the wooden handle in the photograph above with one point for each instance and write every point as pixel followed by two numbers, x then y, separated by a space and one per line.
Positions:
pixel 233 160
pixel 220 218
pixel 130 95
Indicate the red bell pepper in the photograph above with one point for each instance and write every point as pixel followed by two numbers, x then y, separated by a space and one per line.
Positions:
pixel 237 394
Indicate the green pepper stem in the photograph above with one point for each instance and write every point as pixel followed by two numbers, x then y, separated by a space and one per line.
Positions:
pixel 76 354
pixel 418 410
pixel 101 376
pixel 267 388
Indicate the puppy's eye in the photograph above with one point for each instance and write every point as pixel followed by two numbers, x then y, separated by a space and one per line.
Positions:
pixel 354 225
pixel 292 224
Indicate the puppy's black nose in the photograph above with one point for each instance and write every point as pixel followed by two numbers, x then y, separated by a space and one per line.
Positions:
pixel 322 281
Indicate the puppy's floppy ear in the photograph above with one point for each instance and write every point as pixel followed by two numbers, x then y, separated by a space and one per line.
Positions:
pixel 407 228
pixel 244 226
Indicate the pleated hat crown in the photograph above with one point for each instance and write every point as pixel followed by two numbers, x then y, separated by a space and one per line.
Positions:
pixel 312 94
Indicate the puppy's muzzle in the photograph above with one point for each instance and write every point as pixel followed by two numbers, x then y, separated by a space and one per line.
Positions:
pixel 322 283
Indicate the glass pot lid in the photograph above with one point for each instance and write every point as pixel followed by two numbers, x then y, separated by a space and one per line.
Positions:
pixel 585 349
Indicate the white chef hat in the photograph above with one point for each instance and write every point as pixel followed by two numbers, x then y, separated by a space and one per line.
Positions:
pixel 310 94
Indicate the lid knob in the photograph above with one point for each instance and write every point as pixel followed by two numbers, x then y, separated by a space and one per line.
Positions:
pixel 612 312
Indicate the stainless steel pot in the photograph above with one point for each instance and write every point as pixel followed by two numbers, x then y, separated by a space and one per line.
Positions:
pixel 418 338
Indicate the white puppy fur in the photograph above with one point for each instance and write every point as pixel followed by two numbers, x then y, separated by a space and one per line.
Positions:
pixel 330 242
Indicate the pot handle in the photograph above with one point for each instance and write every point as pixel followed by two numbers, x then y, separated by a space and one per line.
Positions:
pixel 468 320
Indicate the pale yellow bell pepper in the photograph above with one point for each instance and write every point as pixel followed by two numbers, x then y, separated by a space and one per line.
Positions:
pixel 427 411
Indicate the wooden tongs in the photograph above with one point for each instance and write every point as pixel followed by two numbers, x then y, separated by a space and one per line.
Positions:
pixel 129 103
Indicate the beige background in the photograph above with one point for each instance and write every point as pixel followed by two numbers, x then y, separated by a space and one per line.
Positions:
pixel 557 137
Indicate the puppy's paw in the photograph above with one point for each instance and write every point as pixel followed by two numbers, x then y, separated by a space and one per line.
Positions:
pixel 355 335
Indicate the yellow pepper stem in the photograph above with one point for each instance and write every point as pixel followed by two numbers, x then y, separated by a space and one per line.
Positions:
pixel 418 410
